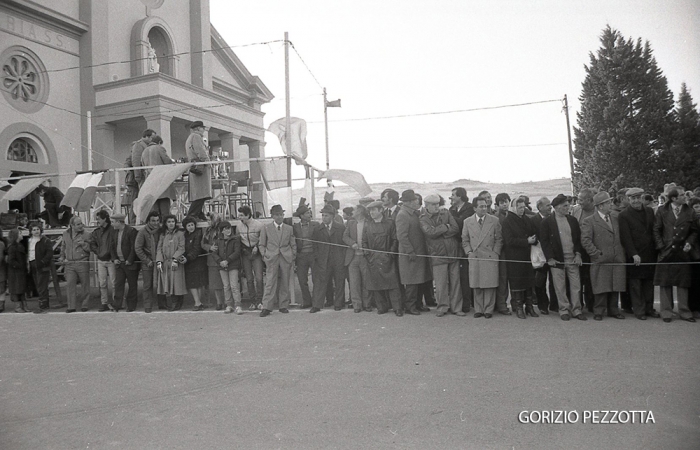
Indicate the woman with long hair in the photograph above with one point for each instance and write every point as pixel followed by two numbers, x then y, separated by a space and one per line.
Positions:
pixel 39 257
pixel 194 261
pixel 209 245
pixel 518 236
pixel 170 275
pixel 17 270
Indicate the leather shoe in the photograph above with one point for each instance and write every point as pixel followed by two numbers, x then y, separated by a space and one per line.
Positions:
pixel 628 310
pixel 667 320
pixel 440 314
pixel 477 315
pixel 338 309
pixel 653 314
pixel 690 319
pixel 460 313
pixel 103 308
pixel 581 317
pixel 544 312
pixel 489 315
pixel 83 309
pixel 423 309
pixel 314 309
pixel 399 313
pixel 565 317
pixel 304 307
pixel 265 313
pixel 148 310
pixel 598 317
pixel 284 310
pixel 70 310
pixel 617 316
pixel 413 312
pixel 382 311
pixel 641 317
pixel 357 310
pixel 505 313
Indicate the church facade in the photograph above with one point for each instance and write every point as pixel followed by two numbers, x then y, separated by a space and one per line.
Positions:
pixel 76 72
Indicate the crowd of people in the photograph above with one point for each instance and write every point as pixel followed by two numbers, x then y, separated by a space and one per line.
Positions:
pixel 402 252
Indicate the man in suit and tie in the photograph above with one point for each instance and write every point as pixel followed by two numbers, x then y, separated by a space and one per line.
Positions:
pixel 278 249
pixel 560 236
pixel 329 256
pixel 600 237
pixel 637 235
pixel 390 199
pixel 544 303
pixel 482 242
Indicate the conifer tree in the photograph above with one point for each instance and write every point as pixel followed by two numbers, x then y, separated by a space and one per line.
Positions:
pixel 682 160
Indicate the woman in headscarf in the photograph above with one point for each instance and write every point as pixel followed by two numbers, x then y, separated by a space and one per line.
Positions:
pixel 519 235
pixel 195 262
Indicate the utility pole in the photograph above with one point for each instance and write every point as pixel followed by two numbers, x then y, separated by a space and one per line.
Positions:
pixel 288 122
pixel 571 150
pixel 325 121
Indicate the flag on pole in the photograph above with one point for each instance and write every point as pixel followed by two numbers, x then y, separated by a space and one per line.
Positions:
pixel 23 188
pixel 274 172
pixel 353 179
pixel 76 189
pixel 88 197
pixel 157 182
pixel 298 131
pixel 333 104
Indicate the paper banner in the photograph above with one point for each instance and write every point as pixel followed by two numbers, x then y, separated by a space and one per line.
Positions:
pixel 298 132
pixel 88 197
pixel 75 190
pixel 157 182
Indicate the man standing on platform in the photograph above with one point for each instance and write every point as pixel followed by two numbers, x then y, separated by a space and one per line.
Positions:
pixel 600 237
pixel 54 215
pixel 414 266
pixel 482 242
pixel 637 234
pixel 75 255
pixel 137 148
pixel 278 249
pixel 303 233
pixel 200 175
pixel 155 155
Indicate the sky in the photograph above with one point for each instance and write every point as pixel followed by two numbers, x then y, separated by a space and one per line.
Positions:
pixel 409 57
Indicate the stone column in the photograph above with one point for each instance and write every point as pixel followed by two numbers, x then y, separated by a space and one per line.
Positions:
pixel 230 144
pixel 200 43
pixel 103 150
pixel 256 149
pixel 160 123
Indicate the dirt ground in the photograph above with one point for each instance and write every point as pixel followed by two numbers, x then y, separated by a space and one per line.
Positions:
pixel 341 380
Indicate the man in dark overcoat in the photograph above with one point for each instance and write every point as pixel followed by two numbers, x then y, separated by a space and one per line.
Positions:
pixel 461 209
pixel 329 258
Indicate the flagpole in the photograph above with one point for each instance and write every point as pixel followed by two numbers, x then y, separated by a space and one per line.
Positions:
pixel 325 121
pixel 288 121
pixel 89 140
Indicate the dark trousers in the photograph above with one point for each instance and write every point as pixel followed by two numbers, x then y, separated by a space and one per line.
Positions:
pixel 41 282
pixel 544 302
pixel 324 273
pixel 502 290
pixel 304 262
pixel 196 208
pixel 606 300
pixel 425 293
pixel 625 299
pixel 124 275
pixel 387 298
pixel 641 295
pixel 587 297
pixel 411 296
pixel 162 205
pixel 694 290
pixel 467 294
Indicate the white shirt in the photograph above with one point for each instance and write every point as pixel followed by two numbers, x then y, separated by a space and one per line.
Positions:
pixel 32 246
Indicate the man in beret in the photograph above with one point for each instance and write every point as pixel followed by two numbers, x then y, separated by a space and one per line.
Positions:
pixel 200 176
pixel 278 249
pixel 303 233
pixel 560 236
pixel 441 231
pixel 637 235
pixel 414 267
pixel 600 237
pixel 123 251
pixel 329 256
pixel 379 245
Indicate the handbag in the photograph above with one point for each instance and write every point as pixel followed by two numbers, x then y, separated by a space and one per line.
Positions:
pixel 537 256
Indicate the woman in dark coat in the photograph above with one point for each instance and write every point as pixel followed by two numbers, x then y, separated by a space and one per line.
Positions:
pixel 694 292
pixel 40 256
pixel 17 270
pixel 519 235
pixel 195 263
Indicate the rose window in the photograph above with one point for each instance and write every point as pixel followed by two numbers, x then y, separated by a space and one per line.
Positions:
pixel 24 79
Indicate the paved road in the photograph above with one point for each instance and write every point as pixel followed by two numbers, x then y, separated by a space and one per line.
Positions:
pixel 340 380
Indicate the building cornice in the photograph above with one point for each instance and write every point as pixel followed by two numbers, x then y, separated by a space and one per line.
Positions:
pixel 46 17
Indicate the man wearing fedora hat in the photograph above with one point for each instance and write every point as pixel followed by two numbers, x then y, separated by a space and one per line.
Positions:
pixel 637 235
pixel 303 233
pixel 560 236
pixel 278 249
pixel 414 265
pixel 199 178
pixel 329 256
pixel 600 237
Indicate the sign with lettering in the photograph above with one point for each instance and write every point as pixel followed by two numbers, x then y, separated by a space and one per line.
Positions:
pixel 33 32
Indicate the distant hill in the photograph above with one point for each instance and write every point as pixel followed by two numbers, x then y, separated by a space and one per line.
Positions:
pixel 533 189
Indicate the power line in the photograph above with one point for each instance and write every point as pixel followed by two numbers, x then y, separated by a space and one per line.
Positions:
pixel 125 61
pixel 466 147
pixel 485 108
pixel 305 65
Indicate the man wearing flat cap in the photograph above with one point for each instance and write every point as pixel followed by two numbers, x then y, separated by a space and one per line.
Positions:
pixel 600 237
pixel 123 251
pixel 303 233
pixel 637 235
pixel 329 256
pixel 560 236
pixel 414 266
pixel 200 176
pixel 441 231
pixel 278 249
